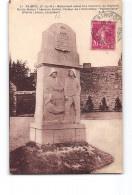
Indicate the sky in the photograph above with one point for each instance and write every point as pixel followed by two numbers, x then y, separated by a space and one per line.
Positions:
pixel 25 36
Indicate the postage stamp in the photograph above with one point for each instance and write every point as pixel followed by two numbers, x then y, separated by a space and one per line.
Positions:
pixel 103 35
pixel 106 30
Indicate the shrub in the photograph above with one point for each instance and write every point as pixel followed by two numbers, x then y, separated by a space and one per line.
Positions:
pixel 118 105
pixel 103 105
pixel 88 107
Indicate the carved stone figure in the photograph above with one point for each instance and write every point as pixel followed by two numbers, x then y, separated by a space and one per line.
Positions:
pixel 53 96
pixel 50 108
pixel 72 96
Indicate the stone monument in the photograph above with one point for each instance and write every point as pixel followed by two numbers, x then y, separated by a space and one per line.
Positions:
pixel 57 113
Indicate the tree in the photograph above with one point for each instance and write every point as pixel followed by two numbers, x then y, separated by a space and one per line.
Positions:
pixel 118 105
pixel 89 104
pixel 21 76
pixel 103 105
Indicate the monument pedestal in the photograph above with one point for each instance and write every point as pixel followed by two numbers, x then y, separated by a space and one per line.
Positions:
pixel 51 133
pixel 59 51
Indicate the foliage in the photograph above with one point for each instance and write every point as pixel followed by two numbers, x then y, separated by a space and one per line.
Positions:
pixel 103 105
pixel 118 105
pixel 88 107
pixel 25 104
pixel 64 158
pixel 21 76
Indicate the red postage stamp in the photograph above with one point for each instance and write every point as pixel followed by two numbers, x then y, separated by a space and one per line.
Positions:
pixel 103 35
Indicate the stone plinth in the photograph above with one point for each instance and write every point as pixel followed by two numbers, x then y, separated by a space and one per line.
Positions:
pixel 52 133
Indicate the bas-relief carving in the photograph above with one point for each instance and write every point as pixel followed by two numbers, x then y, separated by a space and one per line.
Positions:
pixel 62 41
pixel 53 97
pixel 72 91
pixel 59 46
pixel 55 94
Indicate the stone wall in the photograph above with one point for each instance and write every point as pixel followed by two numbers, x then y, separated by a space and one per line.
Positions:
pixel 99 82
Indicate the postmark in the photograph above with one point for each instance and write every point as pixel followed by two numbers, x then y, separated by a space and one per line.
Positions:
pixel 106 30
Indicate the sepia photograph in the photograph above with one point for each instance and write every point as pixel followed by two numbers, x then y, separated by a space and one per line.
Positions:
pixel 65 87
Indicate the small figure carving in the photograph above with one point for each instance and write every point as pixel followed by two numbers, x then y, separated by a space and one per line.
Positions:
pixel 72 91
pixel 50 107
pixel 54 86
pixel 53 96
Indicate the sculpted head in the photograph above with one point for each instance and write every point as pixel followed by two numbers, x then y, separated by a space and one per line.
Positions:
pixel 53 73
pixel 72 73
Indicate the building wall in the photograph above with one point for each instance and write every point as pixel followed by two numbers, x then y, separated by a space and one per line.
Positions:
pixel 99 82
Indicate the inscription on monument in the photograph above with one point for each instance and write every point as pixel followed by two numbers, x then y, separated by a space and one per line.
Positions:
pixel 62 41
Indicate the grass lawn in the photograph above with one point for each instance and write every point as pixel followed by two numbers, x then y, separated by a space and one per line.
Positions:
pixel 101 115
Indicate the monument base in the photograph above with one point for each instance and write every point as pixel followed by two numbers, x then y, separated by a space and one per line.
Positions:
pixel 51 133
